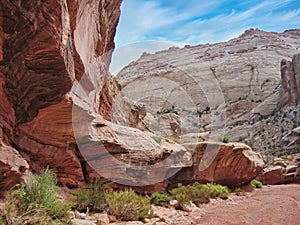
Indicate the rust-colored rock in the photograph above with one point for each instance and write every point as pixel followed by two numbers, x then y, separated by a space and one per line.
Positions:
pixel 231 164
pixel 288 172
pixel 47 50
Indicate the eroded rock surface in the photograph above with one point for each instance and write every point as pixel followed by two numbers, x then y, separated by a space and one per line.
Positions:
pixel 51 51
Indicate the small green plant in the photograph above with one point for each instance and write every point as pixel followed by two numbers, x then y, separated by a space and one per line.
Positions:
pixel 279 154
pixel 2 220
pixel 160 199
pixel 93 196
pixel 224 139
pixel 157 139
pixel 217 190
pixel 127 205
pixel 36 202
pixel 176 135
pixel 256 184
pixel 195 193
pixel 295 150
pixel 199 193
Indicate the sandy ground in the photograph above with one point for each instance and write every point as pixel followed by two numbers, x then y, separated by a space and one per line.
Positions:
pixel 268 206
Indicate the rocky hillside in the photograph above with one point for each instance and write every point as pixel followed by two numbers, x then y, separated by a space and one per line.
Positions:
pixel 238 88
pixel 61 109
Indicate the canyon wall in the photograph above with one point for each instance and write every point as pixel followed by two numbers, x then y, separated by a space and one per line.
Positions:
pixel 48 51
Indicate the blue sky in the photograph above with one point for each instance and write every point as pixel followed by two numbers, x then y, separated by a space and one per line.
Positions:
pixel 152 25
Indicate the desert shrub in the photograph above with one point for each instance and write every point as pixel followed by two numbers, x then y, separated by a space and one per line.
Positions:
pixel 256 184
pixel 93 196
pixel 195 193
pixel 36 202
pixel 217 190
pixel 160 199
pixel 199 193
pixel 2 220
pixel 279 154
pixel 295 150
pixel 127 205
pixel 157 139
pixel 224 139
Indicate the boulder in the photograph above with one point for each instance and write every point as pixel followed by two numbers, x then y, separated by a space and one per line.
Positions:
pixel 13 167
pixel 280 175
pixel 232 164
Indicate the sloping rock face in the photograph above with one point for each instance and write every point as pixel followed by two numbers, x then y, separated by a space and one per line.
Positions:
pixel 228 87
pixel 51 51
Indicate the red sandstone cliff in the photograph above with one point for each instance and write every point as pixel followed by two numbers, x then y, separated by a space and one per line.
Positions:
pixel 45 48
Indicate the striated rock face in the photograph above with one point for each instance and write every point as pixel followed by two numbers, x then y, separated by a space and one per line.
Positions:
pixel 51 51
pixel 290 81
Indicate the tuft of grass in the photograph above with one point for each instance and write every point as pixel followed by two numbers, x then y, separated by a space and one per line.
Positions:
pixel 217 190
pixel 224 139
pixel 36 202
pixel 198 193
pixel 160 199
pixel 93 196
pixel 2 220
pixel 157 139
pixel 256 184
pixel 195 193
pixel 127 205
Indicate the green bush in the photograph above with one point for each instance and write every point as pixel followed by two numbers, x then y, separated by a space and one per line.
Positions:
pixel 256 184
pixel 195 193
pixel 157 139
pixel 93 196
pixel 217 190
pixel 295 150
pixel 279 154
pixel 127 205
pixel 36 202
pixel 2 220
pixel 224 139
pixel 160 199
pixel 199 193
